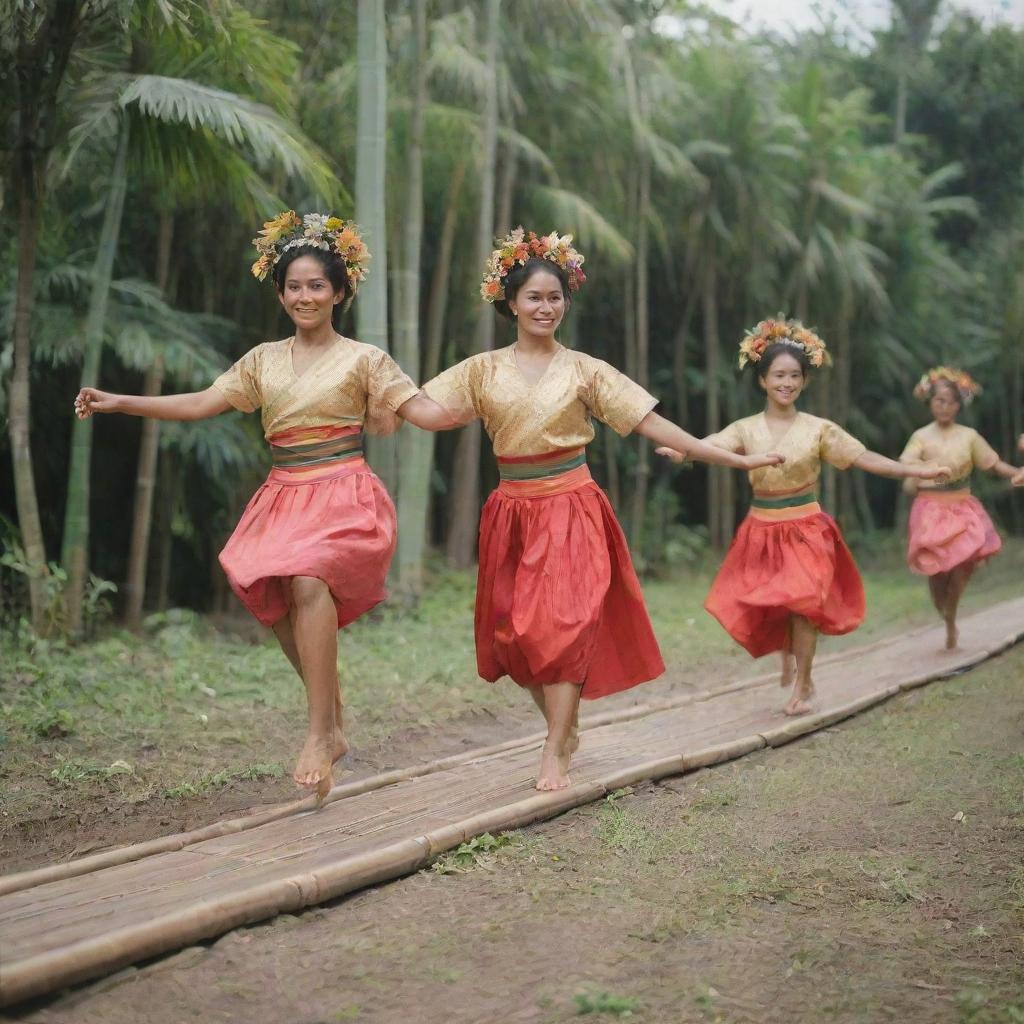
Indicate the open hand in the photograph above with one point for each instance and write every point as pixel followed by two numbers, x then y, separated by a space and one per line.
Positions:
pixel 760 461
pixel 670 453
pixel 92 400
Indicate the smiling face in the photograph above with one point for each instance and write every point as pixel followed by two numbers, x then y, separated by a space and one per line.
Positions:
pixel 945 403
pixel 307 294
pixel 539 304
pixel 784 380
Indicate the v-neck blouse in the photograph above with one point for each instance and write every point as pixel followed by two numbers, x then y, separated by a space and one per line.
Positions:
pixel 808 441
pixel 958 447
pixel 350 383
pixel 552 413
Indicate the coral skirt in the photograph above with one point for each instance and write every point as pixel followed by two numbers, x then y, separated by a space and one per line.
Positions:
pixel 332 520
pixel 783 565
pixel 948 529
pixel 558 599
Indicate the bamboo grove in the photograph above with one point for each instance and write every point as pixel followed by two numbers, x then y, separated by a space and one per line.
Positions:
pixel 872 186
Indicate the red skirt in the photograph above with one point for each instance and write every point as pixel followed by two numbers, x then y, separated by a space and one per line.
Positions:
pixel 336 524
pixel 557 597
pixel 948 529
pixel 781 567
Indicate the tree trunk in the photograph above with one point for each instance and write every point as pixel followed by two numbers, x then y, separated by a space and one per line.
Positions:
pixel 40 66
pixel 465 506
pixel 149 447
pixel 415 447
pixel 74 552
pixel 642 343
pixel 371 186
pixel 709 307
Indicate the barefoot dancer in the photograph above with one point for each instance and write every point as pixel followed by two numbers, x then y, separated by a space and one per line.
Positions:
pixel 312 549
pixel 950 533
pixel 558 606
pixel 788 574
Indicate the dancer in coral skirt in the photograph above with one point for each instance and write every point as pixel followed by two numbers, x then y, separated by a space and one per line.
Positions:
pixel 559 606
pixel 950 533
pixel 312 549
pixel 788 574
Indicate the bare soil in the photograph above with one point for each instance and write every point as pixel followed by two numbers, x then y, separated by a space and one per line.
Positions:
pixel 870 873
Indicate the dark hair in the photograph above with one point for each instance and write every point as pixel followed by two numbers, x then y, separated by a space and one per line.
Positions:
pixel 781 348
pixel 951 386
pixel 518 276
pixel 334 269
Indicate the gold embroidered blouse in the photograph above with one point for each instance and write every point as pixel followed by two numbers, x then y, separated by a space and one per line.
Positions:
pixel 552 414
pixel 349 383
pixel 958 447
pixel 808 441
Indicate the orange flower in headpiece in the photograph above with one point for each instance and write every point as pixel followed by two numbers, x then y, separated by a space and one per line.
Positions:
pixel 518 247
pixel 967 387
pixel 786 332
pixel 319 230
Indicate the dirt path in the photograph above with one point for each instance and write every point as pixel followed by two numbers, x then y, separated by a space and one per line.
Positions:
pixel 871 874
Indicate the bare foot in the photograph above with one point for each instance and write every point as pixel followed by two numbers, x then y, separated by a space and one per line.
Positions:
pixel 797 706
pixel 313 769
pixel 554 768
pixel 340 748
pixel 952 636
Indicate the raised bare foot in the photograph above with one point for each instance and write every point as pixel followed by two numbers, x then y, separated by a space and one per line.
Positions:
pixel 313 768
pixel 554 769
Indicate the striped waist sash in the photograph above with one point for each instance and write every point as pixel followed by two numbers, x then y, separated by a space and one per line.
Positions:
pixel 535 476
pixel 961 486
pixel 306 448
pixel 779 507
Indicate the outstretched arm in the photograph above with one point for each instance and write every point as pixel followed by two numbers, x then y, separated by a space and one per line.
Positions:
pixel 196 405
pixel 872 462
pixel 425 413
pixel 1015 474
pixel 665 433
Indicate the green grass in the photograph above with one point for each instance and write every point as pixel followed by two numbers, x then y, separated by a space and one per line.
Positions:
pixel 190 708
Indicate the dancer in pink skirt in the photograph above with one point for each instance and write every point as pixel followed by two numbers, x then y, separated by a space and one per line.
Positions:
pixel 312 549
pixel 950 533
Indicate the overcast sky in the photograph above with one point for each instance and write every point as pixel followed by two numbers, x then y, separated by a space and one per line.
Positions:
pixel 855 15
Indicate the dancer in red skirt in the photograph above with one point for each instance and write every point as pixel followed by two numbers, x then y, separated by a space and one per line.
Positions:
pixel 788 574
pixel 950 533
pixel 559 606
pixel 312 549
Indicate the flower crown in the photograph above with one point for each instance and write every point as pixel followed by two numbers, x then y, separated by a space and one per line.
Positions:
pixel 319 230
pixel 785 332
pixel 518 247
pixel 967 387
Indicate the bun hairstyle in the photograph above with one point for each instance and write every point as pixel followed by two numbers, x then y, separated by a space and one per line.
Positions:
pixel 519 275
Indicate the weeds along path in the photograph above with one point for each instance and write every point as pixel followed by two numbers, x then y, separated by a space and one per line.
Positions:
pixel 71 922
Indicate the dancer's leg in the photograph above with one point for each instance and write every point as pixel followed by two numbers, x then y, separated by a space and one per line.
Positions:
pixel 805 643
pixel 937 587
pixel 788 674
pixel 315 629
pixel 284 630
pixel 958 579
pixel 573 742
pixel 562 703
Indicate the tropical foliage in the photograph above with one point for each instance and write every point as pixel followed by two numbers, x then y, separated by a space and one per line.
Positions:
pixel 711 177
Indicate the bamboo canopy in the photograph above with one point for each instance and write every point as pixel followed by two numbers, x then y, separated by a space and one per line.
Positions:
pixel 68 923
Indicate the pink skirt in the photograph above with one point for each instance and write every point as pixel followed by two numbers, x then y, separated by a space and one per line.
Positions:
pixel 337 525
pixel 948 529
pixel 775 569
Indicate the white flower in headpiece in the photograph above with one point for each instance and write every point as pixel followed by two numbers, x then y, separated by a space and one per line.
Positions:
pixel 315 224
